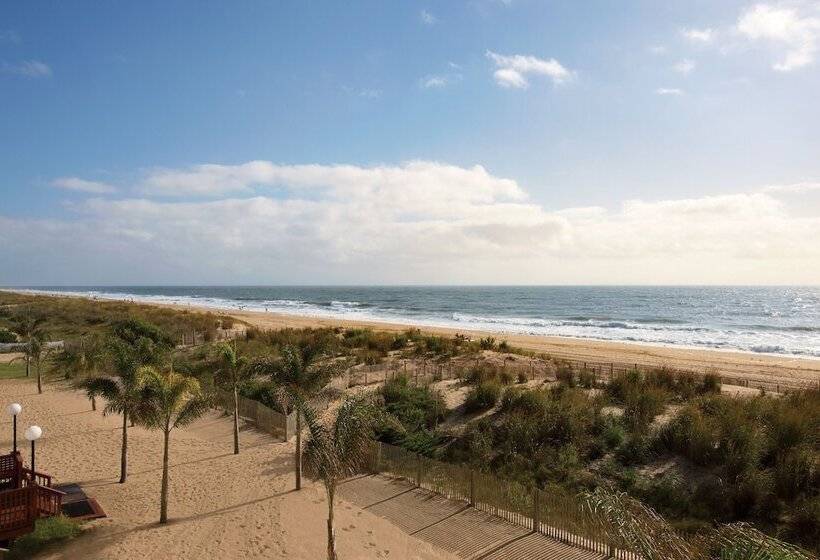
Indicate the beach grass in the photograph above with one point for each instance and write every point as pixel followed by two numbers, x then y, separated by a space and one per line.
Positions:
pixel 13 370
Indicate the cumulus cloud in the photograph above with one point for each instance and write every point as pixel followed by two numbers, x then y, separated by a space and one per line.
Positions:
pixel 82 185
pixel 28 68
pixel 669 91
pixel 420 221
pixel 698 35
pixel 798 33
pixel 512 70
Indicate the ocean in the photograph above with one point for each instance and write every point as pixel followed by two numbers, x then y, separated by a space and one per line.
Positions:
pixel 777 320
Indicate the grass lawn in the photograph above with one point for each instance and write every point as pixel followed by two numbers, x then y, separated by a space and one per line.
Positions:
pixel 10 371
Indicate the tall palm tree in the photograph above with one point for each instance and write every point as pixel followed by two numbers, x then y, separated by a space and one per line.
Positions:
pixel 298 376
pixel 29 327
pixel 339 449
pixel 171 401
pixel 232 373
pixel 132 345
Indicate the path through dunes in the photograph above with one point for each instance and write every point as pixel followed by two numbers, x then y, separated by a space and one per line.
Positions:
pixel 453 526
pixel 221 505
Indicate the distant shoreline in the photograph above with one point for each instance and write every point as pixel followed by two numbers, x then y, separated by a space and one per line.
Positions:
pixel 790 369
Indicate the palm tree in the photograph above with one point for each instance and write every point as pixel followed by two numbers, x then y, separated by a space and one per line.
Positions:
pixel 298 376
pixel 29 327
pixel 231 374
pixel 133 344
pixel 37 350
pixel 339 449
pixel 80 361
pixel 639 528
pixel 171 401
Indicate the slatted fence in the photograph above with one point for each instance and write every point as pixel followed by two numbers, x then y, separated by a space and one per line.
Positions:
pixel 553 512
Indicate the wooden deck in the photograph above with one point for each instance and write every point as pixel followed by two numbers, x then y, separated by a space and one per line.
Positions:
pixel 453 525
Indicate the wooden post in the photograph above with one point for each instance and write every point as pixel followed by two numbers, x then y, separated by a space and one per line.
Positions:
pixel 472 488
pixel 536 510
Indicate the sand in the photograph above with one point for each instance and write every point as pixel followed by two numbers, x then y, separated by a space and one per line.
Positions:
pixel 222 506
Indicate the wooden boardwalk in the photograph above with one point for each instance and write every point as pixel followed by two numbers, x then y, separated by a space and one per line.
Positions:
pixel 453 525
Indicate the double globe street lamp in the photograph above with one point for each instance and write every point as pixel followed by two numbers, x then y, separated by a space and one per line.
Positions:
pixel 32 433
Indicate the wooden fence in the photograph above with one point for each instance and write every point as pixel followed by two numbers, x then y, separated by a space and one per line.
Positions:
pixel 553 512
pixel 422 372
pixel 265 418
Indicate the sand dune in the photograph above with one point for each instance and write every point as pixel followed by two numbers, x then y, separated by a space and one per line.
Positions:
pixel 222 506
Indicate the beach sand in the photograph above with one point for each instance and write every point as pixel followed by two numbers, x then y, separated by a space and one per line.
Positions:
pixel 789 370
pixel 221 505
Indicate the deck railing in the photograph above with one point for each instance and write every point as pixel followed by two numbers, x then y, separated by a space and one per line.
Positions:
pixel 553 512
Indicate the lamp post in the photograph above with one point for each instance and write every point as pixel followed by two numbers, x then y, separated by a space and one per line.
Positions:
pixel 14 409
pixel 32 434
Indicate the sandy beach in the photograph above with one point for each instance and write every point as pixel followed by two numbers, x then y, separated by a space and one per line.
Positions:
pixel 788 370
pixel 222 506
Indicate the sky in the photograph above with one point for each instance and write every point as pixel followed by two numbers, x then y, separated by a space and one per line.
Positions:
pixel 410 142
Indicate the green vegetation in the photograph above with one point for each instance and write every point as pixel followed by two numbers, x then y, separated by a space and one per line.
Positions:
pixel 47 532
pixel 72 318
pixel 418 411
pixel 12 370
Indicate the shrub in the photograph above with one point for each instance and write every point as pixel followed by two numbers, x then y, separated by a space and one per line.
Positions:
pixel 416 408
pixel 586 378
pixel 6 336
pixel 641 407
pixel 483 396
pixel 613 435
pixel 47 531
pixel 506 378
pixel 522 377
pixel 481 372
pixel 503 346
pixel 565 375
pixel 487 343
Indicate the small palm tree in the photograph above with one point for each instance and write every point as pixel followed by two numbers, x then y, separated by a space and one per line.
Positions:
pixel 232 373
pixel 298 376
pixel 37 350
pixel 80 361
pixel 338 450
pixel 123 396
pixel 170 401
pixel 29 327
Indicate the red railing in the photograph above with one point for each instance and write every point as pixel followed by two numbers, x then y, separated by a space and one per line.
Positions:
pixel 27 496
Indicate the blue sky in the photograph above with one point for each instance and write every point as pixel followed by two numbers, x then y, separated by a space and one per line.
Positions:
pixel 693 124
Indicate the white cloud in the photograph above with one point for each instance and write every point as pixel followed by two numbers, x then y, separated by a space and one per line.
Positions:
pixel 798 33
pixel 685 66
pixel 82 185
pixel 370 93
pixel 658 50
pixel 669 91
pixel 699 35
pixel 512 70
pixel 420 221
pixel 793 188
pixel 439 81
pixel 29 68
pixel 427 18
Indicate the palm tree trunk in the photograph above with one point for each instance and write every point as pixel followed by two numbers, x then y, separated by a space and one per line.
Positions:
pixel 28 366
pixel 94 403
pixel 124 456
pixel 298 449
pixel 331 533
pixel 235 421
pixel 39 381
pixel 163 499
